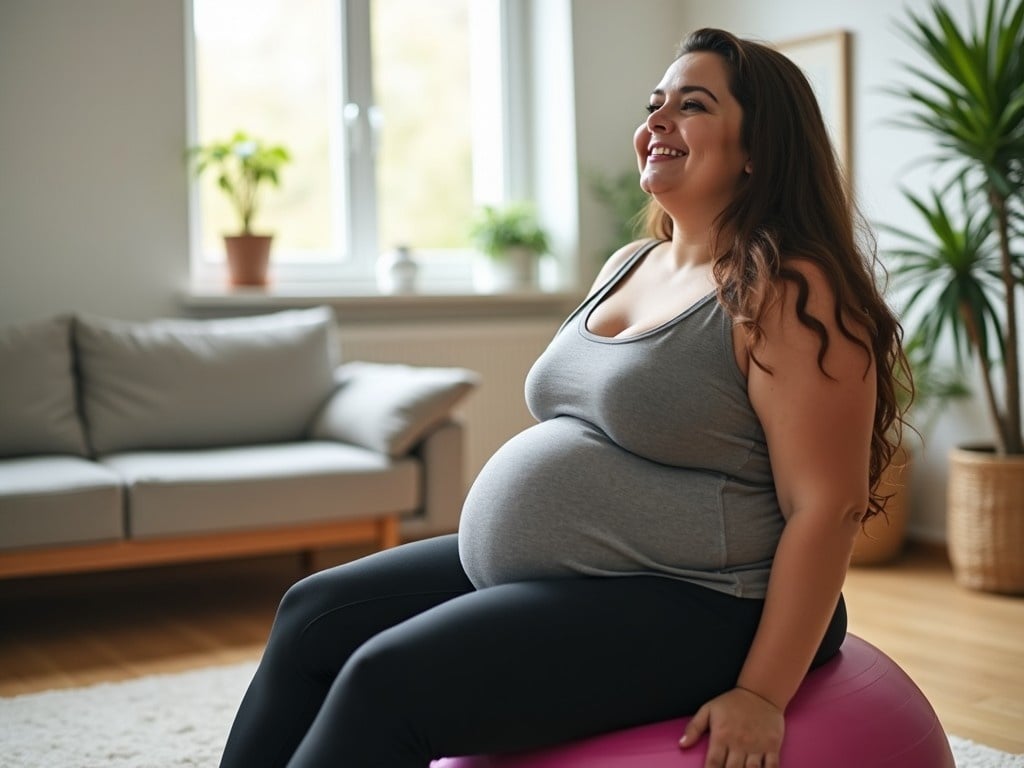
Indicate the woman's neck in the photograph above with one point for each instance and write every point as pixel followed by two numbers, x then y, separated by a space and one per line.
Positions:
pixel 691 246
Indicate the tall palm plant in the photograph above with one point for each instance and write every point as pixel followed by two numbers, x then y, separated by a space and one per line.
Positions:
pixel 963 279
pixel 952 279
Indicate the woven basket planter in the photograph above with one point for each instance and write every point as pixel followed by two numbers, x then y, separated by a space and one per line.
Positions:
pixel 985 519
pixel 882 538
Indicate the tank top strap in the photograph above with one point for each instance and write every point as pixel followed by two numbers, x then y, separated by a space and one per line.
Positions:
pixel 603 290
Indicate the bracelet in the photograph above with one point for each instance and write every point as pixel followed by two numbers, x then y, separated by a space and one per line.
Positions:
pixel 762 698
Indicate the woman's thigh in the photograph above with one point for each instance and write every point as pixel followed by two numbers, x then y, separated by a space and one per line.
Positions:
pixel 326 616
pixel 320 622
pixel 533 663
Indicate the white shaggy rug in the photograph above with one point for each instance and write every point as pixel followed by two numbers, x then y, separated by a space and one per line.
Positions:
pixel 179 721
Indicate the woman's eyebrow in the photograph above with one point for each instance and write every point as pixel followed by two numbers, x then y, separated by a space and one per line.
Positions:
pixel 688 89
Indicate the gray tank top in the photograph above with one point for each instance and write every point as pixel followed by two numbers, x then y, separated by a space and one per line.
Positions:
pixel 647 458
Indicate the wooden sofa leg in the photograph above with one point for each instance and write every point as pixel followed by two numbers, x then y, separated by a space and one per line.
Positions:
pixel 307 561
pixel 388 535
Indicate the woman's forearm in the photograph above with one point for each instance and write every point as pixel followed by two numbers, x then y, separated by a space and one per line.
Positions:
pixel 803 590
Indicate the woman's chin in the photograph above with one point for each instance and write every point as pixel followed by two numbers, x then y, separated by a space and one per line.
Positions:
pixel 653 186
pixel 654 183
pixel 659 191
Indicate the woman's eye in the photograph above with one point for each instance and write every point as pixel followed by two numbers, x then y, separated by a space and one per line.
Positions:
pixel 686 106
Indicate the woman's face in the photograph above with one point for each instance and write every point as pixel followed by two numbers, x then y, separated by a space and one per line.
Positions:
pixel 689 149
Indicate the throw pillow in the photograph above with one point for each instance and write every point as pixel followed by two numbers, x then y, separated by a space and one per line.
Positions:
pixel 388 407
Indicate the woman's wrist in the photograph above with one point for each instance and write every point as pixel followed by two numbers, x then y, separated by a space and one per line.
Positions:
pixel 761 696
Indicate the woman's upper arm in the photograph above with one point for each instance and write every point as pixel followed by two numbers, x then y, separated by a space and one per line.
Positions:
pixel 818 425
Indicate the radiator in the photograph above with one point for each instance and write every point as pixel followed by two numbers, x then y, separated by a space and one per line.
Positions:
pixel 501 351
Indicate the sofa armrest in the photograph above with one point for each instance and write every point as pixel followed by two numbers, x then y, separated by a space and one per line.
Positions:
pixel 442 454
pixel 389 407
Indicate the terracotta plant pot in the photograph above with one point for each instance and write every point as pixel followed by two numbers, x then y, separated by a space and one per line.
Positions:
pixel 248 259
pixel 882 538
pixel 985 519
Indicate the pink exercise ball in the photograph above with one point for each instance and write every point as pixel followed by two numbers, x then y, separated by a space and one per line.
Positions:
pixel 859 710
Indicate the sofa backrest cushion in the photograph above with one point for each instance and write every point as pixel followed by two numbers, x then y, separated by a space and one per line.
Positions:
pixel 204 383
pixel 38 412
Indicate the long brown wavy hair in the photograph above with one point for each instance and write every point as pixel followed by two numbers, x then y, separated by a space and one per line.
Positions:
pixel 797 204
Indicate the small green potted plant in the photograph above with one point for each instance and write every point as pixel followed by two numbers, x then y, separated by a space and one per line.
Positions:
pixel 243 165
pixel 513 240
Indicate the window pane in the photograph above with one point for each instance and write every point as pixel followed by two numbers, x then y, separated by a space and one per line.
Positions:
pixel 421 71
pixel 271 68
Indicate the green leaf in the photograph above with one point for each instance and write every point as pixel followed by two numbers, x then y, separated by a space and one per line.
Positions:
pixel 243 164
pixel 494 230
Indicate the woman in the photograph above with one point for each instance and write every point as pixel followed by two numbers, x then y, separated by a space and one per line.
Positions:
pixel 672 537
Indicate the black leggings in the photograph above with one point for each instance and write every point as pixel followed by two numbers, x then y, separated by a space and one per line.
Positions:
pixel 395 659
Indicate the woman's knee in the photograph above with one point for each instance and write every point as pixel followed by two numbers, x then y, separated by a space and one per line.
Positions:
pixel 373 667
pixel 381 679
pixel 298 603
pixel 300 607
pixel 369 715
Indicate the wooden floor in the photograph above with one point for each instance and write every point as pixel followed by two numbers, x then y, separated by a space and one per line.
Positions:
pixel 964 649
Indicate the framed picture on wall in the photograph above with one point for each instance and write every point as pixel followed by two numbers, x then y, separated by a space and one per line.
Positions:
pixel 825 59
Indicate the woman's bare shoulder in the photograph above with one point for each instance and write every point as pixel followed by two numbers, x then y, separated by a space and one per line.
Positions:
pixel 614 262
pixel 818 286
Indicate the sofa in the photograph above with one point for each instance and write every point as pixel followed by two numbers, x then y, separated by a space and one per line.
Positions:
pixel 125 444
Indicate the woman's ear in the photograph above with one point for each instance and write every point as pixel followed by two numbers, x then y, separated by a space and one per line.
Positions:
pixel 748 168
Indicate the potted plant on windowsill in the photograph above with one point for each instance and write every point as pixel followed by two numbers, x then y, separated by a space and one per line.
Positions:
pixel 513 240
pixel 243 165
pixel 963 276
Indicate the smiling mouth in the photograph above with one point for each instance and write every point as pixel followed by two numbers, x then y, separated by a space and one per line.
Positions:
pixel 667 153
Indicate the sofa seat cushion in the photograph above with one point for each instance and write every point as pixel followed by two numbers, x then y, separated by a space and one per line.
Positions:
pixel 57 500
pixel 38 413
pixel 170 384
pixel 222 489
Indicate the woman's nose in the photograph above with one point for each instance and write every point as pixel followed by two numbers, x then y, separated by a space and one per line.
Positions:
pixel 657 122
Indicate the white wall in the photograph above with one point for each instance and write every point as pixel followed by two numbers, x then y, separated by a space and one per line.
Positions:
pixel 92 126
pixel 621 50
pixel 92 180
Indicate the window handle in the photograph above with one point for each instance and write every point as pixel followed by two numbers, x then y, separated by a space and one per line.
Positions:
pixel 375 118
pixel 353 127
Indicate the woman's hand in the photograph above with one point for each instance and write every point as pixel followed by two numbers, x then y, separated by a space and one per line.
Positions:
pixel 745 730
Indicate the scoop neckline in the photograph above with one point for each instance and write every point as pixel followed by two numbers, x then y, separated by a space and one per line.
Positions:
pixel 590 335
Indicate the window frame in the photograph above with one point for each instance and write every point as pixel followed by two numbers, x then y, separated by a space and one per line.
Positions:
pixel 356 267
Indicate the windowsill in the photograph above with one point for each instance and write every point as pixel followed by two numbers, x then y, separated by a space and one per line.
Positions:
pixel 372 305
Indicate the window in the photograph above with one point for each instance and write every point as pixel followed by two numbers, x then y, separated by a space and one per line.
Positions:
pixel 396 113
